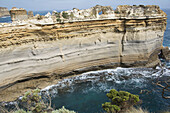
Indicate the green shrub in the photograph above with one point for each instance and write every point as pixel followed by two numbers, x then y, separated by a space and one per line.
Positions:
pixel 57 15
pixel 63 110
pixel 121 100
pixel 65 15
pixel 117 12
pixel 21 111
pixel 59 20
pixel 33 101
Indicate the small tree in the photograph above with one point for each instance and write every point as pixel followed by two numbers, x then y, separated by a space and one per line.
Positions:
pixel 120 101
pixel 58 20
pixel 57 15
pixel 33 101
pixel 65 15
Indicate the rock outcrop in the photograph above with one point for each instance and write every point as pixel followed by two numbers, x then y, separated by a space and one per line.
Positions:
pixel 4 12
pixel 18 14
pixel 165 53
pixel 38 54
pixel 30 14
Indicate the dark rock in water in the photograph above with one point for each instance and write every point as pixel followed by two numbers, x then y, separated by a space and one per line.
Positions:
pixel 165 53
pixel 4 12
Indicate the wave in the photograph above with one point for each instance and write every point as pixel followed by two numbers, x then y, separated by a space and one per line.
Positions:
pixel 98 80
pixel 5 17
pixel 105 80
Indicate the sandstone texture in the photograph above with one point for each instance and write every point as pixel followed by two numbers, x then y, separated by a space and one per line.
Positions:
pixel 40 51
pixel 4 12
pixel 30 14
pixel 18 14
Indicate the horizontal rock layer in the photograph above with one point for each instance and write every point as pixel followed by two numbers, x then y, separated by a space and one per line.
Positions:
pixel 36 55
pixel 4 12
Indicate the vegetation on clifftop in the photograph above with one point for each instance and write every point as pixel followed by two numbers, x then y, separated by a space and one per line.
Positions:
pixel 120 101
pixel 32 102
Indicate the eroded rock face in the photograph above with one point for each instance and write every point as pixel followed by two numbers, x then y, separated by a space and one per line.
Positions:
pixel 36 55
pixel 18 14
pixel 4 12
pixel 165 53
pixel 30 14
pixel 150 11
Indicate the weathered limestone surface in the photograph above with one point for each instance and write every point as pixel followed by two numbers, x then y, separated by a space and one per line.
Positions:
pixel 4 12
pixel 18 14
pixel 30 14
pixel 35 55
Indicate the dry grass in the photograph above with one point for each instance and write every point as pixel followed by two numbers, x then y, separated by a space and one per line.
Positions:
pixel 165 112
pixel 140 110
pixel 136 110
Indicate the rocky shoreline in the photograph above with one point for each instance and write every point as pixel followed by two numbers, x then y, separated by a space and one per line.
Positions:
pixel 37 51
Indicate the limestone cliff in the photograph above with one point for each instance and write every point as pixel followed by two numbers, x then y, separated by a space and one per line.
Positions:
pixel 36 55
pixel 4 12
pixel 18 14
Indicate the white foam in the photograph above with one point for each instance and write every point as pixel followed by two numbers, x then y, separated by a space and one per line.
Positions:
pixel 47 88
pixel 5 17
pixel 98 77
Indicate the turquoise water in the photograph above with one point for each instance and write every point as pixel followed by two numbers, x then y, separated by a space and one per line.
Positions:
pixel 86 93
pixel 6 19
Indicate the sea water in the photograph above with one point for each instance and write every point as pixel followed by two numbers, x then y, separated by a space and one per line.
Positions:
pixel 166 41
pixel 86 93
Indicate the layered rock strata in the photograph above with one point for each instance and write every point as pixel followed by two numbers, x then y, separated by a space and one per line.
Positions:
pixel 18 14
pixel 4 12
pixel 30 14
pixel 36 55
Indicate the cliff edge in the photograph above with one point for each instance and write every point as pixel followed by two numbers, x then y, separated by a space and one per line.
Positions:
pixel 4 12
pixel 38 51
